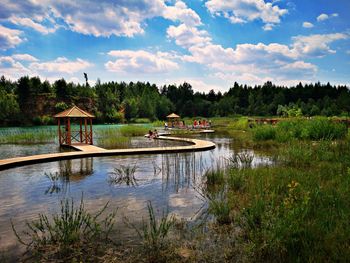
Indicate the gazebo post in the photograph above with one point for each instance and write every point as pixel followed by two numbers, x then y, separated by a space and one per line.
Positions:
pixel 85 124
pixel 69 141
pixel 91 141
pixel 80 131
pixel 59 130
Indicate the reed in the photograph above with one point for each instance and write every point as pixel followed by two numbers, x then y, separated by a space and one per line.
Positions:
pixel 73 235
pixel 27 136
pixel 133 130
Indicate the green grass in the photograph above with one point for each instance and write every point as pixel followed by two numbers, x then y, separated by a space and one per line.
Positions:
pixel 133 130
pixel 154 233
pixel 290 213
pixel 319 128
pixel 27 135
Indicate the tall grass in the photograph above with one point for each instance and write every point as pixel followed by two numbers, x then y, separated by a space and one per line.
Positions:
pixel 73 235
pixel 133 130
pixel 118 137
pixel 264 133
pixel 315 129
pixel 27 136
pixel 290 212
pixel 154 232
pixel 239 124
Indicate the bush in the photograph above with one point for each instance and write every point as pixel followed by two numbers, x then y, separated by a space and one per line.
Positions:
pixel 324 129
pixel 43 120
pixel 314 129
pixel 264 132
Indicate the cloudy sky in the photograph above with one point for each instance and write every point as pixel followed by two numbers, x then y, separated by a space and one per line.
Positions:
pixel 208 43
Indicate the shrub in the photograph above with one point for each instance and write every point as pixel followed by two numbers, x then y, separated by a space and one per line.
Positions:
pixel 324 129
pixel 264 132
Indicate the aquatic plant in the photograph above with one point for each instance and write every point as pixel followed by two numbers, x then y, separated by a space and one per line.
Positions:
pixel 214 177
pixel 154 232
pixel 72 235
pixel 27 136
pixel 220 207
pixel 133 130
pixel 242 159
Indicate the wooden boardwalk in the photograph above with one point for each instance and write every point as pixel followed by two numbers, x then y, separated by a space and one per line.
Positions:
pixel 93 151
pixel 86 147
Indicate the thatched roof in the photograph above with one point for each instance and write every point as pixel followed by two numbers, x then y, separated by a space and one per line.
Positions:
pixel 173 115
pixel 74 112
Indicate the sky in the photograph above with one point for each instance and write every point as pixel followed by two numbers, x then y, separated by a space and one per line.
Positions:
pixel 207 43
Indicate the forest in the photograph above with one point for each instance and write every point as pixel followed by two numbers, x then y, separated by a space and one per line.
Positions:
pixel 32 101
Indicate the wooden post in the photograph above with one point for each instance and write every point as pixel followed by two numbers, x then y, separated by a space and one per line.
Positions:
pixel 85 131
pixel 80 132
pixel 59 131
pixel 91 141
pixel 69 141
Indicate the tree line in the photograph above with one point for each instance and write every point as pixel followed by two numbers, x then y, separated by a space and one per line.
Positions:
pixel 29 100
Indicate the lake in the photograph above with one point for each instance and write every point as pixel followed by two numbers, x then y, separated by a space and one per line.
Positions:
pixel 172 182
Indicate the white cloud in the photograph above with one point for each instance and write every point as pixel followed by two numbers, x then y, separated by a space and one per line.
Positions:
pixel 316 45
pixel 186 36
pixel 141 62
pixel 24 57
pixel 180 12
pixel 240 11
pixel 27 22
pixel 268 27
pixel 11 68
pixel 105 18
pixel 322 17
pixel 308 25
pixel 61 65
pixel 9 38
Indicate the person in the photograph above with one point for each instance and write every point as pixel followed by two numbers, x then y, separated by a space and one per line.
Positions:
pixel 209 123
pixel 150 134
pixel 165 125
pixel 155 134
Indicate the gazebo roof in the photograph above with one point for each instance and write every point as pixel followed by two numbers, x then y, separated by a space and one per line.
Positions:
pixel 173 115
pixel 74 112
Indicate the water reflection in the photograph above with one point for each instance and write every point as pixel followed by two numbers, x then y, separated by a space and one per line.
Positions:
pixel 68 170
pixel 124 174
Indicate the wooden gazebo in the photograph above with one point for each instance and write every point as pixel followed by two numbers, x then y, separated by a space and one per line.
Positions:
pixel 66 135
pixel 173 119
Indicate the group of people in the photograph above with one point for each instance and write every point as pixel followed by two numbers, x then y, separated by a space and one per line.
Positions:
pixel 197 124
pixel 153 134
pixel 201 124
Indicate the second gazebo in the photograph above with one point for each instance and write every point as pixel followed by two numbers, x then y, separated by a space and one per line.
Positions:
pixel 65 133
pixel 173 120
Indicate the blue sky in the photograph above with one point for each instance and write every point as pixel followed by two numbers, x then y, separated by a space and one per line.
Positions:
pixel 209 43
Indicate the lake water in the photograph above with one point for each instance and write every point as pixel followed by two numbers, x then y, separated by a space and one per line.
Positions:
pixel 169 181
